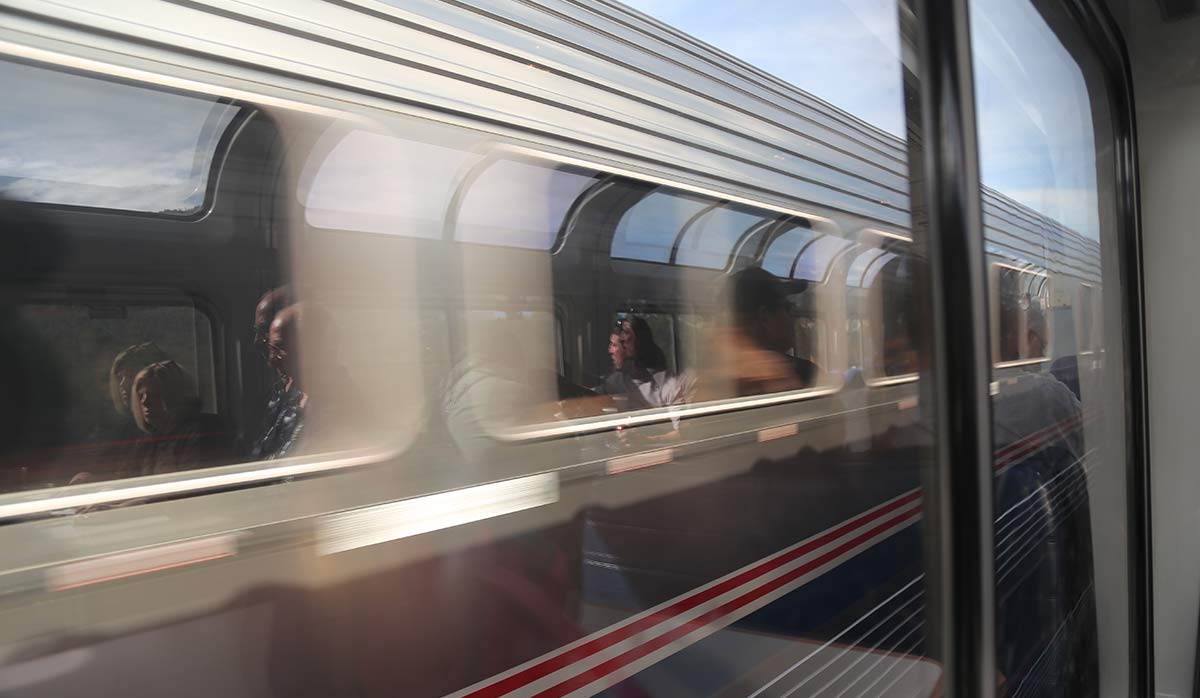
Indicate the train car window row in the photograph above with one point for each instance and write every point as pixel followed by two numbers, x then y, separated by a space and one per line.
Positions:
pixel 603 257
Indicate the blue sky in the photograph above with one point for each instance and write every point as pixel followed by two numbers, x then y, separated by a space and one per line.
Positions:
pixel 1035 131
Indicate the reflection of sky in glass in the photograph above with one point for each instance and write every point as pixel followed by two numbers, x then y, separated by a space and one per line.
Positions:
pixel 709 241
pixel 1035 131
pixel 814 261
pixel 519 204
pixel 1036 139
pixel 79 141
pixel 858 267
pixel 647 230
pixel 878 266
pixel 783 250
pixel 376 183
pixel 843 51
pixel 74 140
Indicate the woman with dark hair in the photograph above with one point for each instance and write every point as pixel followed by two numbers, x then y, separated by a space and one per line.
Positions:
pixel 649 380
pixel 641 346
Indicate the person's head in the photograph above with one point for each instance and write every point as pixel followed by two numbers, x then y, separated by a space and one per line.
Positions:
pixel 163 395
pixel 616 349
pixel 125 367
pixel 760 310
pixel 283 339
pixel 264 312
pixel 282 336
pixel 640 347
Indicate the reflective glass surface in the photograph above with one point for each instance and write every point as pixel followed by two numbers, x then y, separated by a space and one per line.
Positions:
pixel 1061 571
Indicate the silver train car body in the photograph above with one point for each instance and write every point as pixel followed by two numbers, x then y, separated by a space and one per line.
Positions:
pixel 204 578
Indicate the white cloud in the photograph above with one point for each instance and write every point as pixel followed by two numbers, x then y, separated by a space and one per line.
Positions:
pixel 74 140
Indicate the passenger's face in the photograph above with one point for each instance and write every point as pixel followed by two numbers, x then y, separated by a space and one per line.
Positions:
pixel 616 350
pixel 278 353
pixel 153 407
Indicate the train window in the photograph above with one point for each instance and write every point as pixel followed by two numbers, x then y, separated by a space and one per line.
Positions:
pixel 75 140
pixel 517 203
pixel 896 332
pixel 83 351
pixel 1058 423
pixel 229 339
pixel 1022 327
pixel 814 260
pixel 873 269
pixel 709 240
pixel 780 257
pixel 380 183
pixel 648 230
pixel 863 263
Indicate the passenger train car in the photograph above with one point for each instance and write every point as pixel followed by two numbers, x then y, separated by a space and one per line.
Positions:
pixel 383 257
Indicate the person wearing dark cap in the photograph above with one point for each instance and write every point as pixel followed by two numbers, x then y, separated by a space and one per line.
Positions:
pixel 761 331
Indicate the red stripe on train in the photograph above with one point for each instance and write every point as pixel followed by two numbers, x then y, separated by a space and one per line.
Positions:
pixel 601 670
pixel 616 635
pixel 556 662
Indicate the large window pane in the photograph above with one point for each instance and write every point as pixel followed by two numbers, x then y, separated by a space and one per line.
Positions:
pixel 601 371
pixel 1043 112
pixel 649 230
pixel 69 139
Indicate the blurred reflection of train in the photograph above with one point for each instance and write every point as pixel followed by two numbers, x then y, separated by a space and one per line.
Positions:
pixel 462 224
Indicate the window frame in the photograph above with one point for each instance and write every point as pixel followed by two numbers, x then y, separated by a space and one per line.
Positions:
pixel 216 166
pixel 996 269
pixel 606 176
pixel 892 246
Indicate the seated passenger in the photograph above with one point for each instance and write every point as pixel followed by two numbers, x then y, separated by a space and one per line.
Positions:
pixel 265 311
pixel 325 407
pixel 616 383
pixel 125 368
pixel 283 420
pixel 649 382
pixel 118 453
pixel 754 353
pixel 166 407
